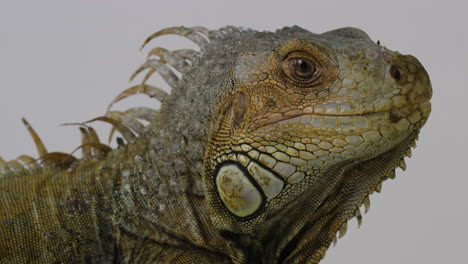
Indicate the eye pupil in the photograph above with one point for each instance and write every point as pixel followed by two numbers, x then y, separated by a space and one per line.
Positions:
pixel 304 67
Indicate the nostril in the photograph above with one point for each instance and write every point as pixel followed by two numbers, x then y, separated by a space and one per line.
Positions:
pixel 395 72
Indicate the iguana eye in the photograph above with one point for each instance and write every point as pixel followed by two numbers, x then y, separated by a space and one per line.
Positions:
pixel 302 68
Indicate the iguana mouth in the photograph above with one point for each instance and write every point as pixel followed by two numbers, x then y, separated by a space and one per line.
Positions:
pixel 345 121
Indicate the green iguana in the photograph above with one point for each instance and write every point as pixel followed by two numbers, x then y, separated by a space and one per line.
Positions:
pixel 267 145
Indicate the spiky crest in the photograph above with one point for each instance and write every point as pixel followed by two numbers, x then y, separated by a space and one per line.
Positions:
pixel 126 123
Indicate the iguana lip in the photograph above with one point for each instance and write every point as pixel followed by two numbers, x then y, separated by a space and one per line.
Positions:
pixel 302 117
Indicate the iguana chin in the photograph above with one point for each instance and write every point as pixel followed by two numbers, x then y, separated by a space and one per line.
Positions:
pixel 267 145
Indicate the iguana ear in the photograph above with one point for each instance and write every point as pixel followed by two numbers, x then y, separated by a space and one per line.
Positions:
pixel 239 108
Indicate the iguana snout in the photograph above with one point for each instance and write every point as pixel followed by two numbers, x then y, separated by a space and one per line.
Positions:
pixel 411 77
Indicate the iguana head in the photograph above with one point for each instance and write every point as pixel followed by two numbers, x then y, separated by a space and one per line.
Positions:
pixel 306 128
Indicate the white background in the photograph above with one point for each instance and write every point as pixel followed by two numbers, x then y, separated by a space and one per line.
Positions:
pixel 63 61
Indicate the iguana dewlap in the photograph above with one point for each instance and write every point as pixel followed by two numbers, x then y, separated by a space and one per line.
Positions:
pixel 268 143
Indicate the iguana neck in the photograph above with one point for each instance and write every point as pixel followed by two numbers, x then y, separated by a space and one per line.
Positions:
pixel 313 221
pixel 159 194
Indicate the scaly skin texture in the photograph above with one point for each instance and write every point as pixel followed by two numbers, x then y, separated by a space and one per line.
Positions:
pixel 265 148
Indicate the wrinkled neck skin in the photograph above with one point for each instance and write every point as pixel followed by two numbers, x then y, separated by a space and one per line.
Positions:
pixel 160 200
pixel 311 223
